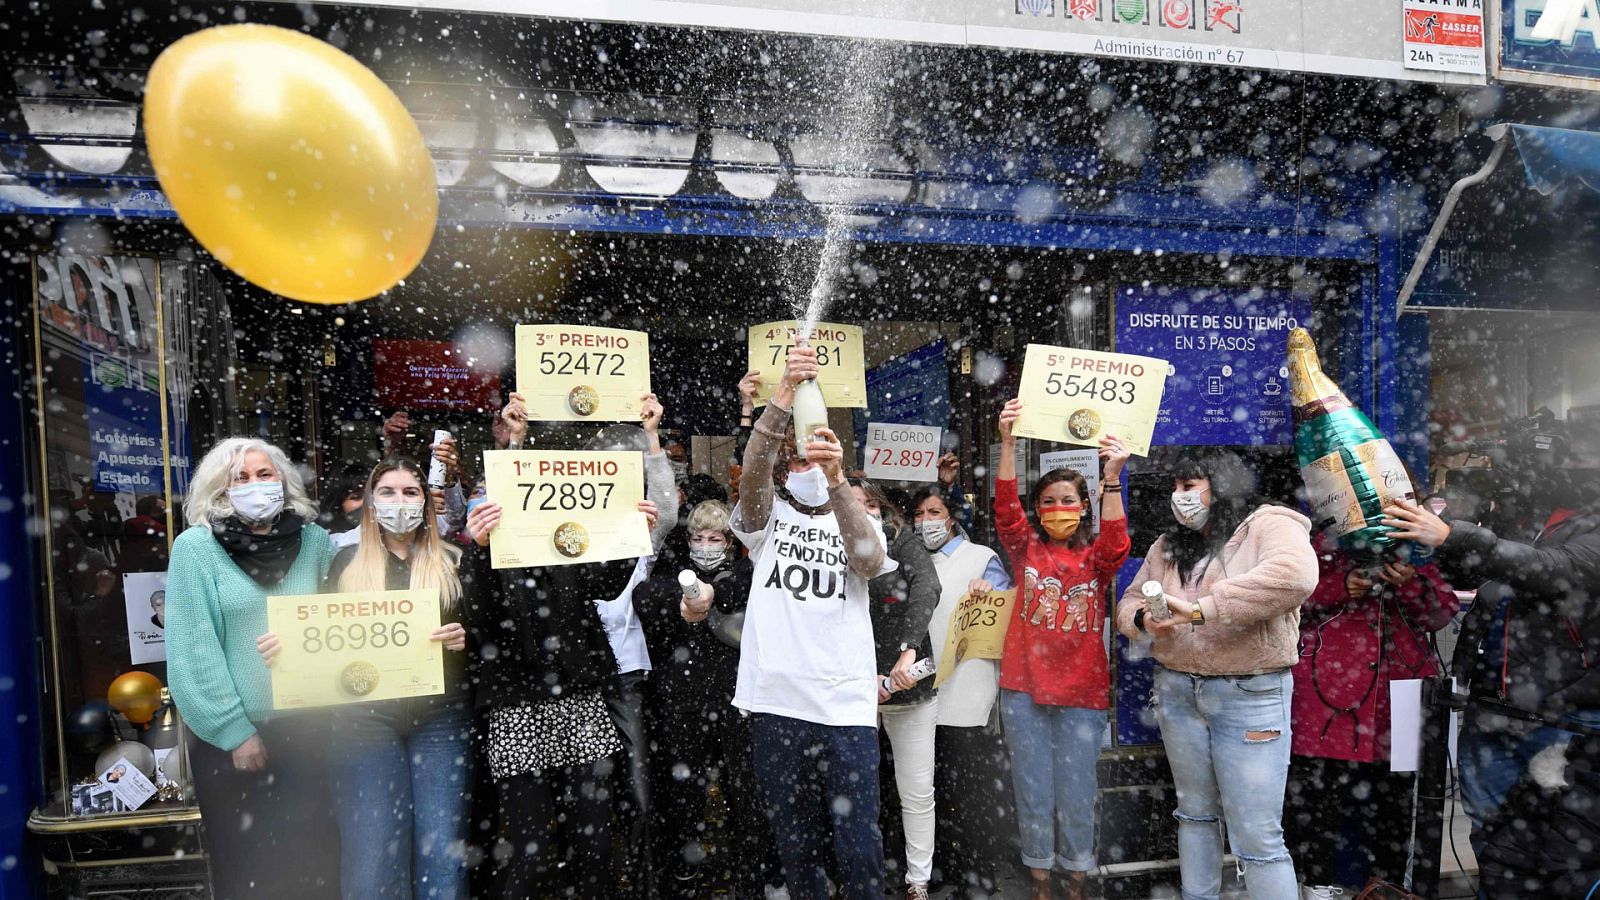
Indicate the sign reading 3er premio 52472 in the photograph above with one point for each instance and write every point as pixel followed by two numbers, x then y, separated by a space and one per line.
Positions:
pixel 1076 396
pixel 841 363
pixel 574 373
pixel 560 507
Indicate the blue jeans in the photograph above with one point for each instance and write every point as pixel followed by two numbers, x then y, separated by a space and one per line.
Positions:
pixel 1494 752
pixel 813 777
pixel 1227 740
pixel 402 770
pixel 1055 755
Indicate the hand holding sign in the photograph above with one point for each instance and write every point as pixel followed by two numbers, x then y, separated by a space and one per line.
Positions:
pixel 1076 396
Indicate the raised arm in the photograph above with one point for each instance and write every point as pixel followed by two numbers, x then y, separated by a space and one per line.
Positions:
pixel 761 454
pixel 862 535
pixel 660 486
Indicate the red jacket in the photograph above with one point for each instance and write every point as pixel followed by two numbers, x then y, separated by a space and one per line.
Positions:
pixel 1351 649
pixel 1055 649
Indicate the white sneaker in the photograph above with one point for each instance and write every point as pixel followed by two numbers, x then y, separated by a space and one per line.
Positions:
pixel 777 893
pixel 1321 892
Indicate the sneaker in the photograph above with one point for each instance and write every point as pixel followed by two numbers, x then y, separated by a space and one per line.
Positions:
pixel 1321 892
pixel 778 893
pixel 916 891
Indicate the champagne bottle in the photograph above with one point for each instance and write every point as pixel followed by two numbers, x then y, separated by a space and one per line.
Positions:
pixel 1349 468
pixel 810 413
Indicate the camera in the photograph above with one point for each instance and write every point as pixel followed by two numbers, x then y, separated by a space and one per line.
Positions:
pixel 1524 475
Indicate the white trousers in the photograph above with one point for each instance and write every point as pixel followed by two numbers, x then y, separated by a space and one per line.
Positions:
pixel 911 729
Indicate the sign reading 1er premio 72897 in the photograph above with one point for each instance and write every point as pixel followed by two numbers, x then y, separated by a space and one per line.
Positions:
pixel 841 364
pixel 561 507
pixel 575 373
pixel 1076 396
pixel 902 452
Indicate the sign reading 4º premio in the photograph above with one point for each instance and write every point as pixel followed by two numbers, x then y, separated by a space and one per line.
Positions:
pixel 841 364
pixel 350 648
pixel 1076 396
pixel 561 507
pixel 574 373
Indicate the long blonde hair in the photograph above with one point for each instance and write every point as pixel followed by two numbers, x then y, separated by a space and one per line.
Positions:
pixel 434 563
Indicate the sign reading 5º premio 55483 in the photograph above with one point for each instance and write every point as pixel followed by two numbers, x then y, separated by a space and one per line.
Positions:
pixel 1076 396
pixel 355 647
pixel 576 373
pixel 561 507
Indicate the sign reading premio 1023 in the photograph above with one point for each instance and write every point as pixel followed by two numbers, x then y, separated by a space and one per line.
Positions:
pixel 1076 396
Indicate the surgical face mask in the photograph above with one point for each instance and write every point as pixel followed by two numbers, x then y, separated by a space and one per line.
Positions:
pixel 1060 524
pixel 708 557
pixel 809 487
pixel 680 469
pixel 398 518
pixel 934 533
pixel 475 502
pixel 258 502
pixel 1190 509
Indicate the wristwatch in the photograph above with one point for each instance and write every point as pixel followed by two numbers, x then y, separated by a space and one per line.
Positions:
pixel 1197 617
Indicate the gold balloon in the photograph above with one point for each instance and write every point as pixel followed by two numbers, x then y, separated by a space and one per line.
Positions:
pixel 136 695
pixel 291 162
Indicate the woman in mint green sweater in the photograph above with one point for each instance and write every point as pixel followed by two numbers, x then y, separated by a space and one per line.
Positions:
pixel 260 778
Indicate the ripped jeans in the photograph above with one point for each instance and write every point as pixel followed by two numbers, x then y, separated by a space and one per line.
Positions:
pixel 1227 740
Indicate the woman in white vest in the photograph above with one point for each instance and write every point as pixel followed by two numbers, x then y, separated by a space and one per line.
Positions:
pixel 972 777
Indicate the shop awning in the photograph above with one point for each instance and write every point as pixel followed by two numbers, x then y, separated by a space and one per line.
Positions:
pixel 1552 158
pixel 1555 156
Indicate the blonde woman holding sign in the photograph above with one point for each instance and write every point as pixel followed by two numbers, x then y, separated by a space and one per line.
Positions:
pixel 402 769
pixel 1054 679
pixel 970 769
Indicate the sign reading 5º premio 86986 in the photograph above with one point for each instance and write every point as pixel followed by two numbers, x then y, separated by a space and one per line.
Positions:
pixel 1076 396
pixel 355 647
pixel 841 363
pixel 560 507
pixel 575 373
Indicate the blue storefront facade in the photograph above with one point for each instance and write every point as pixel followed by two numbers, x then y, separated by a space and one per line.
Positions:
pixel 660 177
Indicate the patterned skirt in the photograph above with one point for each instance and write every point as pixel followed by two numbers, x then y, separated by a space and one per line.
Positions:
pixel 566 731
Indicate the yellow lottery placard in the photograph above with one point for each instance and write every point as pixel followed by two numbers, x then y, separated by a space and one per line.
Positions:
pixel 355 648
pixel 977 630
pixel 1076 396
pixel 561 507
pixel 841 363
pixel 574 373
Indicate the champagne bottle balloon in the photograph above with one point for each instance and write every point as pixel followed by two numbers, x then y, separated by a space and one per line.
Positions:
pixel 1349 468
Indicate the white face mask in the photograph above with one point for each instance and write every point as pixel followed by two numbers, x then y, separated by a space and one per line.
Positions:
pixel 398 518
pixel 1190 509
pixel 934 533
pixel 258 502
pixel 680 469
pixel 809 487
pixel 708 558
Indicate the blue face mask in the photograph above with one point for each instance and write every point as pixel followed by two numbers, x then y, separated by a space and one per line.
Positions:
pixel 475 502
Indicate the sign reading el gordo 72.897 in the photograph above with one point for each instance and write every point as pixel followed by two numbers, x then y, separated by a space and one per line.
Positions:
pixel 1076 396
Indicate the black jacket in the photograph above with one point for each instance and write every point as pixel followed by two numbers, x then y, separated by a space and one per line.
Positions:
pixel 694 670
pixel 903 602
pixel 1551 662
pixel 1546 843
pixel 537 634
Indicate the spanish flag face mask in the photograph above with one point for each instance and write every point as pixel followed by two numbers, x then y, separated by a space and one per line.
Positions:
pixel 1060 523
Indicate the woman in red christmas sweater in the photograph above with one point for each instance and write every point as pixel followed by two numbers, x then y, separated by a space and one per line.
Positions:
pixel 1054 684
